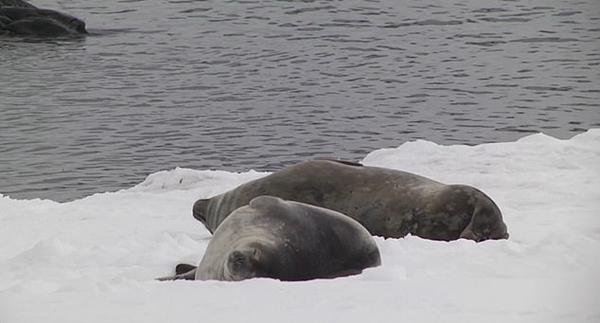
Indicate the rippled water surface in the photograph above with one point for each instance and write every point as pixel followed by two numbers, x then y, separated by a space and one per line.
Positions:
pixel 237 85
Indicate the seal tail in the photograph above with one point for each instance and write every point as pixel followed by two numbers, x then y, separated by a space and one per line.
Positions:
pixel 182 271
pixel 184 268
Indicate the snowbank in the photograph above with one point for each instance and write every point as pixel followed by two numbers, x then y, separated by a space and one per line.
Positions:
pixel 94 259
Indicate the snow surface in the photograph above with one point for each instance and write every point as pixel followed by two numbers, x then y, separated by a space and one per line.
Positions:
pixel 95 259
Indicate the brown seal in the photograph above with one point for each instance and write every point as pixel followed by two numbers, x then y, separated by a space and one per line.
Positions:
pixel 389 203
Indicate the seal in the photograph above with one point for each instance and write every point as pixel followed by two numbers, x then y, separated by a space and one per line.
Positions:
pixel 21 18
pixel 284 240
pixel 389 203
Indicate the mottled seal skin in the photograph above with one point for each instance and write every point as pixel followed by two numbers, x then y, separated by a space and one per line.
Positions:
pixel 21 18
pixel 389 203
pixel 284 240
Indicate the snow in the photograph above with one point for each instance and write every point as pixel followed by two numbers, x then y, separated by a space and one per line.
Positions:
pixel 95 259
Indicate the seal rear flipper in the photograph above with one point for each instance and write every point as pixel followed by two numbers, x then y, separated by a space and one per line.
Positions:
pixel 190 275
pixel 183 268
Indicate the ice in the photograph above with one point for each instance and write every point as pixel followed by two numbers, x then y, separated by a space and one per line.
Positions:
pixel 95 259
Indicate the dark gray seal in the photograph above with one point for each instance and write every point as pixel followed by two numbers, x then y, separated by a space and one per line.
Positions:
pixel 284 240
pixel 22 18
pixel 389 203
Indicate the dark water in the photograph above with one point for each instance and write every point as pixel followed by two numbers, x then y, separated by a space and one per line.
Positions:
pixel 236 85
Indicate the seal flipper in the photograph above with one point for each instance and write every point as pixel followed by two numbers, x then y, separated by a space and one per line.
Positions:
pixel 181 273
pixel 191 275
pixel 183 268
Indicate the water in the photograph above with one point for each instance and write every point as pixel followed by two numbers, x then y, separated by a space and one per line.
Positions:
pixel 240 85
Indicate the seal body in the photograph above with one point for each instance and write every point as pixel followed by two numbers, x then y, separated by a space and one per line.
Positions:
pixel 21 18
pixel 284 240
pixel 388 203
